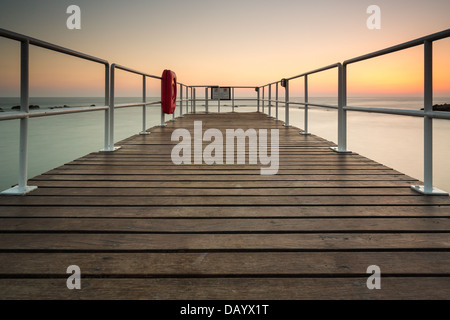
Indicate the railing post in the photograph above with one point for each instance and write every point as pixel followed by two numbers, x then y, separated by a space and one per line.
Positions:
pixel 342 114
pixel 187 99
pixel 306 132
pixel 111 109
pixel 144 107
pixel 206 100
pixel 181 100
pixel 111 147
pixel 276 103
pixel 22 187
pixel 427 188
pixel 107 93
pixel 218 99
pixel 270 100
pixel 195 100
pixel 263 99
pixel 163 118
pixel 286 106
pixel 232 99
pixel 24 107
pixel 191 100
pixel 258 97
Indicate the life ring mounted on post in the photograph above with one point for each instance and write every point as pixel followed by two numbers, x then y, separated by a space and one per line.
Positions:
pixel 168 92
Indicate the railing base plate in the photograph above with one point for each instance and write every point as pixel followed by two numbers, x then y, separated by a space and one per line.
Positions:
pixel 144 133
pixel 304 133
pixel 109 150
pixel 16 191
pixel 336 149
pixel 434 192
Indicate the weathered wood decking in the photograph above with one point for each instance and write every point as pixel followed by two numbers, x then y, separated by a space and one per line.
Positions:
pixel 140 227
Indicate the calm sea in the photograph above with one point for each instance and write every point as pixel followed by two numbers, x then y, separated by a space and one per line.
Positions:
pixel 395 141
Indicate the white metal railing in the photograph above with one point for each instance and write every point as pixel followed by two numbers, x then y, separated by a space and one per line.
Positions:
pixel 207 100
pixel 109 127
pixel 428 114
pixel 25 113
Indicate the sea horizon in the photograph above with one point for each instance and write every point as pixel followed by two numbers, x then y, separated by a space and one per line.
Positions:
pixel 7 103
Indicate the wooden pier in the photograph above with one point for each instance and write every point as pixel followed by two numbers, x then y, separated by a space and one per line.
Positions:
pixel 140 227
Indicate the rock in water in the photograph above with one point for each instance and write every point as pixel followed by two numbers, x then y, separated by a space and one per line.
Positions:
pixel 31 107
pixel 440 107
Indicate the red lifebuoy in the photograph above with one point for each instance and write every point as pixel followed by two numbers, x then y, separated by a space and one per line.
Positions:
pixel 168 92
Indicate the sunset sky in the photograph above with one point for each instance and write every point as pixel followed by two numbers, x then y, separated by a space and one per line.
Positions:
pixel 233 42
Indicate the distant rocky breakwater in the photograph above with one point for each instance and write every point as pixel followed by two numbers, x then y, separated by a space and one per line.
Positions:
pixel 35 107
pixel 66 106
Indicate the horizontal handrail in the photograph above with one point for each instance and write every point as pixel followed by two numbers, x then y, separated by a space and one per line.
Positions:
pixel 45 113
pixel 331 66
pixel 118 66
pixel 43 44
pixel 433 37
pixel 137 104
pixel 223 86
pixel 401 112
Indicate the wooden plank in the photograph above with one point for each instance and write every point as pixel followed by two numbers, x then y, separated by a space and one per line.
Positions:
pixel 229 177
pixel 212 171
pixel 221 264
pixel 224 200
pixel 188 191
pixel 164 166
pixel 228 289
pixel 285 159
pixel 285 185
pixel 323 225
pixel 205 242
pixel 224 212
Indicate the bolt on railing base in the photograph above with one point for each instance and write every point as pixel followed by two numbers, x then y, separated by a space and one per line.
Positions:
pixel 434 192
pixel 110 150
pixel 16 191
pixel 144 133
pixel 336 149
